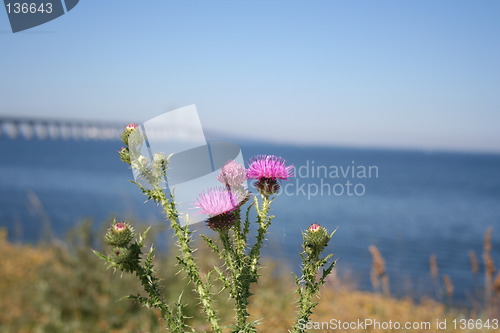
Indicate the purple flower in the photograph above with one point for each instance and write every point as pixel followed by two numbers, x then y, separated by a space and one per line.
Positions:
pixel 219 204
pixel 268 167
pixel 314 227
pixel 127 131
pixel 316 238
pixel 218 201
pixel 131 126
pixel 232 174
pixel 120 226
pixel 120 234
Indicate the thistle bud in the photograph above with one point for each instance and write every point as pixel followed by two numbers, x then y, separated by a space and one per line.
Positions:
pixel 159 164
pixel 126 132
pixel 124 155
pixel 267 186
pixel 140 163
pixel 316 237
pixel 127 258
pixel 160 159
pixel 120 234
pixel 121 255
pixel 221 222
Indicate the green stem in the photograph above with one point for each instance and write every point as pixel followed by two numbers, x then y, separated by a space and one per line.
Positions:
pixel 235 264
pixel 188 262
pixel 144 270
pixel 264 222
pixel 239 235
pixel 149 283
pixel 308 284
pixel 242 267
pixel 307 287
pixel 247 265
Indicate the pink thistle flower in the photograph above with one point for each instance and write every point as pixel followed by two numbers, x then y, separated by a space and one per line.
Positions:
pixel 218 201
pixel 126 132
pixel 268 167
pixel 131 126
pixel 120 226
pixel 316 238
pixel 120 234
pixel 314 227
pixel 232 174
pixel 219 204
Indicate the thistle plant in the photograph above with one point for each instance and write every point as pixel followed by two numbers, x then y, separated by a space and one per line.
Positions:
pixel 229 209
pixel 315 269
pixel 127 256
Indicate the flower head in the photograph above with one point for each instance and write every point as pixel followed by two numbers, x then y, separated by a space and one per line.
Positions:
pixel 221 222
pixel 314 227
pixel 159 165
pixel 124 155
pixel 126 258
pixel 316 238
pixel 120 234
pixel 140 163
pixel 131 126
pixel 232 174
pixel 218 201
pixel 120 227
pixel 269 167
pixel 126 132
pixel 220 204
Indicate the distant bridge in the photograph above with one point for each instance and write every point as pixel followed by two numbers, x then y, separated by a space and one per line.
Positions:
pixel 56 129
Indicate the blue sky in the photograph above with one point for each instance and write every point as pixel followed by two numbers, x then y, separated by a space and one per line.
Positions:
pixel 420 74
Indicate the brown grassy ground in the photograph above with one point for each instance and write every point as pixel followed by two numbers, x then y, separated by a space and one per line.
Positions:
pixel 58 288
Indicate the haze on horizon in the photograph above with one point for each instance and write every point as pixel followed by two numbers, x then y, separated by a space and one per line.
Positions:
pixel 421 74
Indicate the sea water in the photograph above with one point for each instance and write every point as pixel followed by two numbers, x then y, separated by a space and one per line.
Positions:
pixel 410 204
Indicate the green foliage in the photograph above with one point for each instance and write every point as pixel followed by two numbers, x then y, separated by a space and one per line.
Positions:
pixel 314 241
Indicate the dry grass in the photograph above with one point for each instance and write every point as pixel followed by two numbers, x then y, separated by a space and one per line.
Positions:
pixel 434 266
pixel 60 289
pixel 379 277
pixel 490 301
pixel 448 286
pixel 343 303
pixel 474 263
